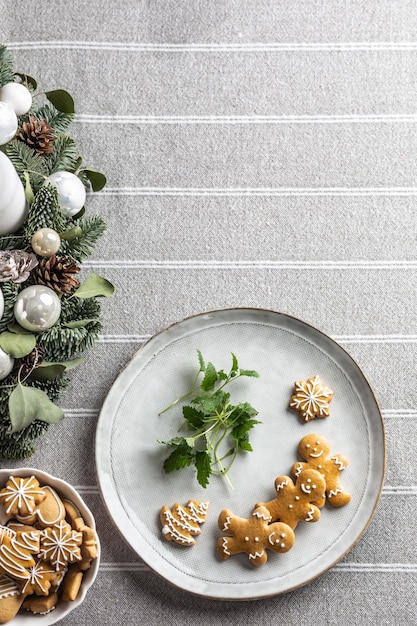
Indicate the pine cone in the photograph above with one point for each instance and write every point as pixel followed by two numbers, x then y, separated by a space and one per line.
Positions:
pixel 58 273
pixel 15 265
pixel 31 361
pixel 37 134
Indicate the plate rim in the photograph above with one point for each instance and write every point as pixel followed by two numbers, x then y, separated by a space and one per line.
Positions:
pixel 314 329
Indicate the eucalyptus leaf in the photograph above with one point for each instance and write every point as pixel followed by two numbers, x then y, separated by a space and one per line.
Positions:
pixel 61 100
pixel 30 196
pixel 49 370
pixel 27 404
pixel 94 286
pixel 27 80
pixel 71 234
pixel 97 179
pixel 15 345
pixel 16 328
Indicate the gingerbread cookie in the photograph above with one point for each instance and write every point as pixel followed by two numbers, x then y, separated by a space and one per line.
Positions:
pixel 311 398
pixel 41 606
pixel 48 512
pixel 21 495
pixel 315 450
pixel 10 599
pixel 16 552
pixel 182 523
pixel 253 536
pixel 294 502
pixel 60 545
pixel 42 577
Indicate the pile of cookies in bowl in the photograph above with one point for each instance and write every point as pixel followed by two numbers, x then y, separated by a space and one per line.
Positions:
pixel 49 549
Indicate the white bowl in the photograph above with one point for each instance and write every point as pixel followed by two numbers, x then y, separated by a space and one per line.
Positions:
pixel 65 491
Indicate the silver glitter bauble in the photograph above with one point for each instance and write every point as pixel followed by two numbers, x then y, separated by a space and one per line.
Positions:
pixel 71 192
pixel 8 123
pixel 46 242
pixel 37 308
pixel 17 96
pixel 6 364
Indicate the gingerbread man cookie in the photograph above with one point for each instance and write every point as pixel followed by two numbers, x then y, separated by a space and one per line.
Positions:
pixel 253 536
pixel 315 450
pixel 311 398
pixel 294 502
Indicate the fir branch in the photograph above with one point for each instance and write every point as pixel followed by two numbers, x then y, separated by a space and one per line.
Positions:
pixel 45 212
pixel 57 120
pixel 6 66
pixel 62 343
pixel 64 156
pixel 25 159
pixel 92 229
pixel 10 291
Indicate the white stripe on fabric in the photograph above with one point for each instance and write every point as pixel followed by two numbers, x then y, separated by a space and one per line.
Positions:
pixel 392 118
pixel 249 264
pixel 259 191
pixel 355 46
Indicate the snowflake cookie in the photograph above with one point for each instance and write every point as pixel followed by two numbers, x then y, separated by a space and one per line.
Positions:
pixel 60 545
pixel 20 496
pixel 311 398
pixel 253 536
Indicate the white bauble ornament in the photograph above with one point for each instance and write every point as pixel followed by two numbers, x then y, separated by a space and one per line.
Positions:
pixel 13 207
pixel 46 242
pixel 8 123
pixel 71 192
pixel 17 96
pixel 37 308
pixel 1 304
pixel 6 364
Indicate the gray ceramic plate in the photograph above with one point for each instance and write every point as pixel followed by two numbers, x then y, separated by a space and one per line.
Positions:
pixel 129 459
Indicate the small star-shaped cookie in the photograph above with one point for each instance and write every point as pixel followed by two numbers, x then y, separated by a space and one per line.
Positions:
pixel 311 398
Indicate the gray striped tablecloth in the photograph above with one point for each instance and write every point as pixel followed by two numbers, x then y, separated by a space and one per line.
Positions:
pixel 259 153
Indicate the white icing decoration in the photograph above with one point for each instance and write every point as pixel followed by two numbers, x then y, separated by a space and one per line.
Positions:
pixel 21 493
pixel 334 492
pixel 310 515
pixel 224 546
pixel 271 540
pixel 261 515
pixel 20 550
pixel 338 463
pixel 306 488
pixel 37 573
pixel 38 511
pixel 316 455
pixel 311 398
pixel 256 555
pixel 299 469
pixel 61 545
pixel 281 485
pixel 227 523
pixel 8 587
pixel 171 528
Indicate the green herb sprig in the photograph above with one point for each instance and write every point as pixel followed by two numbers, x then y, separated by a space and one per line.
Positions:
pixel 214 423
